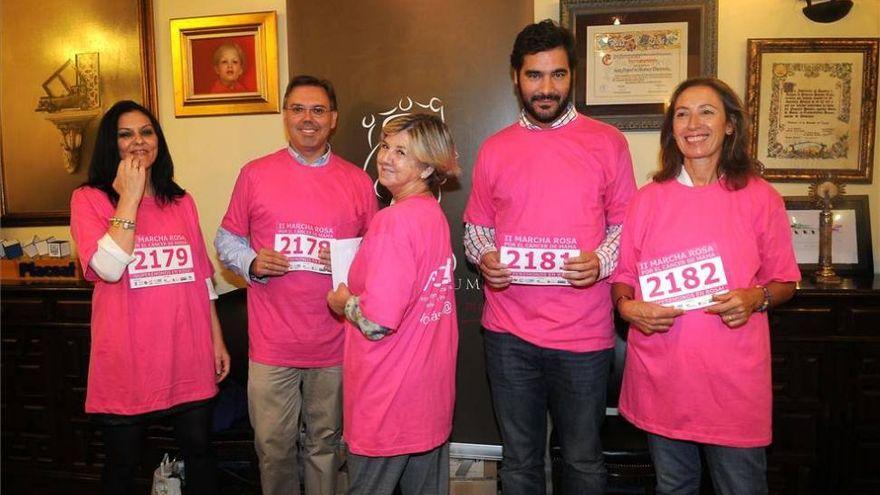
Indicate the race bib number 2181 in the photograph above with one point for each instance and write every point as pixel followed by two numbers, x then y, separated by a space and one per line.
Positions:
pixel 536 266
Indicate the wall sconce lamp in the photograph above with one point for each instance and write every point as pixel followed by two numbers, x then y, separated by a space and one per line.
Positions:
pixel 830 11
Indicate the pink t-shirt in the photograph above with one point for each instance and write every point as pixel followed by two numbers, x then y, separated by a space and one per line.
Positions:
pixel 151 331
pixel 555 188
pixel 283 205
pixel 399 391
pixel 702 381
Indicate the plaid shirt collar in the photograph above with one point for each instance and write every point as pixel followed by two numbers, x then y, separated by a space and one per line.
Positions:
pixel 566 117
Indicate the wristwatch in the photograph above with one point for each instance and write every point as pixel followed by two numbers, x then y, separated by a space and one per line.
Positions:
pixel 766 303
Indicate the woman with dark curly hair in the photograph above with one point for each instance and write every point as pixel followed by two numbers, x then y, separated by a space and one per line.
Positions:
pixel 705 251
pixel 157 349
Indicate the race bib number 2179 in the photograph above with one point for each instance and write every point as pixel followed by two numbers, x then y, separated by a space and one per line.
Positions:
pixel 161 265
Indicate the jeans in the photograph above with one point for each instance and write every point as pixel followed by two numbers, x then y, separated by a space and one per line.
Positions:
pixel 124 443
pixel 733 470
pixel 279 400
pixel 526 381
pixel 424 473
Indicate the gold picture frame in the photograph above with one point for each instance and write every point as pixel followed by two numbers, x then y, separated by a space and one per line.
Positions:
pixel 203 85
pixel 813 102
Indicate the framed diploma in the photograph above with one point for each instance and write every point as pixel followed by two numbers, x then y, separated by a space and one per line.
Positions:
pixel 850 234
pixel 813 104
pixel 633 53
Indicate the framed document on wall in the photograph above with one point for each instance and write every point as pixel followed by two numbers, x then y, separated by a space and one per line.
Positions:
pixel 633 53
pixel 813 104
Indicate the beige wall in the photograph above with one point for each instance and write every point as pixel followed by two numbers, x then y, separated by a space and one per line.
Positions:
pixel 739 20
pixel 208 151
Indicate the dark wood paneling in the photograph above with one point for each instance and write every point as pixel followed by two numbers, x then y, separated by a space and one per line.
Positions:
pixel 826 380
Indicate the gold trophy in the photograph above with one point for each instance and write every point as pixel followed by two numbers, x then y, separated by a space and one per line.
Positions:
pixel 823 193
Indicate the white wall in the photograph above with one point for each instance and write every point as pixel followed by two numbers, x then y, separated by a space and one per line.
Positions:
pixel 739 20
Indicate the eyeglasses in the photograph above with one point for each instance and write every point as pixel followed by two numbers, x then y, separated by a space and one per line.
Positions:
pixel 316 111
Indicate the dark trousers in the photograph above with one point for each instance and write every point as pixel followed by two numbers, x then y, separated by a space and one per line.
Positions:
pixel 733 470
pixel 124 443
pixel 526 382
pixel 425 473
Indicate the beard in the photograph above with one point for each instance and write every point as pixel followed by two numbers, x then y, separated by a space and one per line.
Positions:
pixel 530 105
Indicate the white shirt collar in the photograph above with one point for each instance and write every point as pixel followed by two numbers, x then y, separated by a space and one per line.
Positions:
pixel 320 162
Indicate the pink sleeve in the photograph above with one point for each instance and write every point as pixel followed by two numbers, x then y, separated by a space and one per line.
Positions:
pixel 237 218
pixel 622 184
pixel 480 210
pixel 371 203
pixel 87 225
pixel 626 271
pixel 389 280
pixel 200 252
pixel 778 263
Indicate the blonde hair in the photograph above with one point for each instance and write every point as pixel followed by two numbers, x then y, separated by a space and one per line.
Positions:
pixel 218 53
pixel 430 143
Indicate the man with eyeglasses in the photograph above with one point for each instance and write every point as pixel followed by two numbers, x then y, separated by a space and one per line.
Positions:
pixel 285 209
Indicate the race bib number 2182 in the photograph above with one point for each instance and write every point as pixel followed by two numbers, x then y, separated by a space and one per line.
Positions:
pixel 687 286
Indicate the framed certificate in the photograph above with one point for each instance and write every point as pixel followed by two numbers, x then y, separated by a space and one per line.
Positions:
pixel 813 104
pixel 633 53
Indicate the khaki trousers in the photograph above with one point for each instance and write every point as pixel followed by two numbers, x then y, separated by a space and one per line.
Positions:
pixel 279 398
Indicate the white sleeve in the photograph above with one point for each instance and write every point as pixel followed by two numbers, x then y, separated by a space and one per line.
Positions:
pixel 109 261
pixel 212 294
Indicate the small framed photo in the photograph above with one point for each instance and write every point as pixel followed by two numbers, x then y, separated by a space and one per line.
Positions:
pixel 850 236
pixel 813 104
pixel 225 65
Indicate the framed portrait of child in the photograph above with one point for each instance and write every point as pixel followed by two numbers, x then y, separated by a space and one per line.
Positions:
pixel 225 65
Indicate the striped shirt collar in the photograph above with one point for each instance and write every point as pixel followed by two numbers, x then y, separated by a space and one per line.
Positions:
pixel 320 162
pixel 567 116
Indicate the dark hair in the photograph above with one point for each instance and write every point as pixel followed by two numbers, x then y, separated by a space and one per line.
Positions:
pixel 735 163
pixel 105 158
pixel 305 80
pixel 540 37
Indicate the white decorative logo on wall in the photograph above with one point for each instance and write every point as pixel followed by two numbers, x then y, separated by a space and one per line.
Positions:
pixel 405 106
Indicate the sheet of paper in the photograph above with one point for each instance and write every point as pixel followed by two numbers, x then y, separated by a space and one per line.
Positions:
pixel 342 253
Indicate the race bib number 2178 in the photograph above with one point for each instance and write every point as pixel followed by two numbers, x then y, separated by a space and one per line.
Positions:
pixel 301 251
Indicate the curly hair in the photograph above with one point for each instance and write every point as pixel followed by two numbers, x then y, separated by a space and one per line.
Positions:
pixel 735 163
